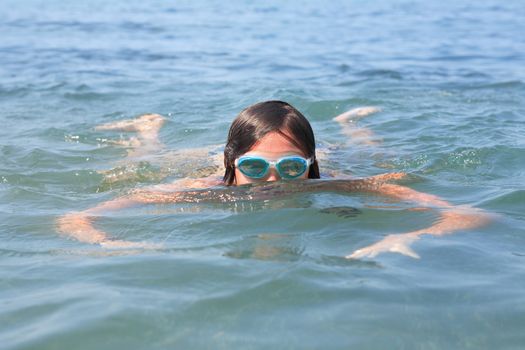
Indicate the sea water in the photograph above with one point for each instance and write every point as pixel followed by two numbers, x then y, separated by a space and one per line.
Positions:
pixel 449 77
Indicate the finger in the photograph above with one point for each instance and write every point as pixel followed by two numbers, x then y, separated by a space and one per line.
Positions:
pixel 356 254
pixel 406 250
pixel 361 253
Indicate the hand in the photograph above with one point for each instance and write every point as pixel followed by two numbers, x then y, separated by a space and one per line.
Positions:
pixel 399 243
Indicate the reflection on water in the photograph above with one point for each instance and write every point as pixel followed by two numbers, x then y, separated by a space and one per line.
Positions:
pixel 267 246
pixel 344 212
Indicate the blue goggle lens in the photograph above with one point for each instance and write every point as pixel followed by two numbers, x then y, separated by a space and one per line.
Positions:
pixel 290 168
pixel 253 167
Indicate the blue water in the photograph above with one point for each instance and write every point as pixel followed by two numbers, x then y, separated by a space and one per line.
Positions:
pixel 450 79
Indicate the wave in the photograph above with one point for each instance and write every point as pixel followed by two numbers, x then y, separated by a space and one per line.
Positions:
pixel 510 202
pixel 380 73
pixel 496 159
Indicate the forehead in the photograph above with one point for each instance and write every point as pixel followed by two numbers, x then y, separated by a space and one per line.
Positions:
pixel 274 143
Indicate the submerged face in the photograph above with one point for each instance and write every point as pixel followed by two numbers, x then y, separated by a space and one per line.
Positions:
pixel 271 147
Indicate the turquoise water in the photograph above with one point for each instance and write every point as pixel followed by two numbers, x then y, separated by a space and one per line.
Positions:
pixel 449 78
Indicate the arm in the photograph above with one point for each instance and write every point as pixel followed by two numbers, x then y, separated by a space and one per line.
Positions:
pixel 452 218
pixel 79 225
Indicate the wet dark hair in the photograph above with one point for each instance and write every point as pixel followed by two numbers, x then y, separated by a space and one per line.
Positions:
pixel 254 122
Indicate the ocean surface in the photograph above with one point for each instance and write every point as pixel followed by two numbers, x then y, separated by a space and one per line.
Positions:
pixel 449 77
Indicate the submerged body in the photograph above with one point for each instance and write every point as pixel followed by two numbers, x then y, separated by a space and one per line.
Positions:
pixel 268 180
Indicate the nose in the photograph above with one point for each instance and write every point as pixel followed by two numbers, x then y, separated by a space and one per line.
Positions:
pixel 273 175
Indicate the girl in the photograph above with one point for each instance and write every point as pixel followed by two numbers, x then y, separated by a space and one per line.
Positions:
pixel 267 142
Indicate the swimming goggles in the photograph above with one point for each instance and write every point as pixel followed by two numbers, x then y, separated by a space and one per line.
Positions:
pixel 289 167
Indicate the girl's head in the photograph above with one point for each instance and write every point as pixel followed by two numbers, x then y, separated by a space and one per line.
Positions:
pixel 271 130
